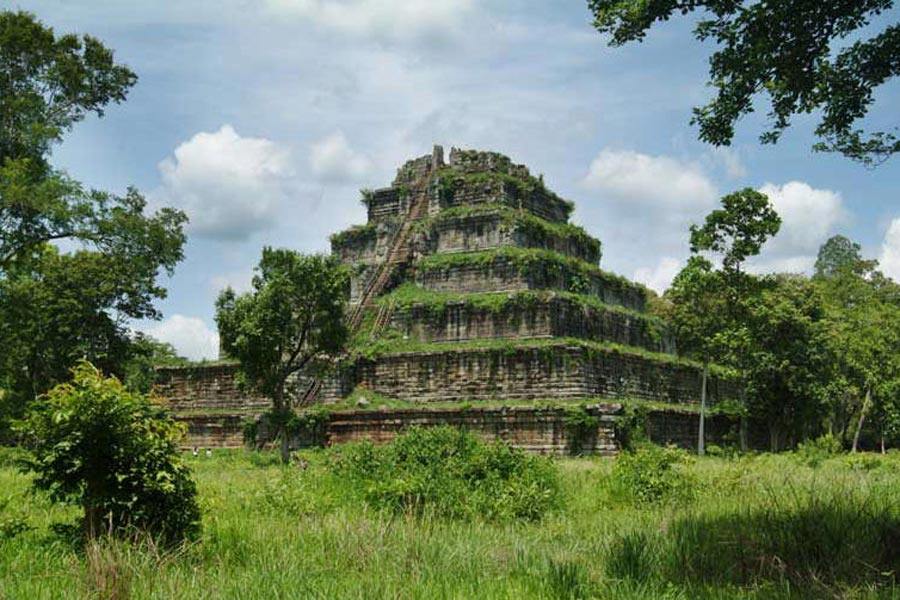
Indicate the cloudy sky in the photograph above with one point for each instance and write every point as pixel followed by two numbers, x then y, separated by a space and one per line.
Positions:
pixel 262 118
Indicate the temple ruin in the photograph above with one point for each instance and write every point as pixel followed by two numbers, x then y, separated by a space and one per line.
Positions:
pixel 476 302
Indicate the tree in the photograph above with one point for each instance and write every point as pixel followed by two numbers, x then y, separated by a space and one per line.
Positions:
pixel 787 368
pixel 736 232
pixel 838 255
pixel 294 313
pixel 863 315
pixel 56 307
pixel 48 85
pixel 93 442
pixel 694 307
pixel 791 50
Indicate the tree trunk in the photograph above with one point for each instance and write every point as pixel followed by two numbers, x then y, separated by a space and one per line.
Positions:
pixel 93 521
pixel 743 426
pixel 862 417
pixel 285 445
pixel 283 414
pixel 701 435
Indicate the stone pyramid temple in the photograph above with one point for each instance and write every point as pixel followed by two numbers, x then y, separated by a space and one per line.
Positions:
pixel 474 301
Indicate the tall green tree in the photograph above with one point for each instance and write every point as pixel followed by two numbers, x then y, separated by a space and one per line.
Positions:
pixel 694 307
pixel 294 313
pixel 57 307
pixel 787 364
pixel 805 55
pixel 839 255
pixel 736 232
pixel 49 83
pixel 863 314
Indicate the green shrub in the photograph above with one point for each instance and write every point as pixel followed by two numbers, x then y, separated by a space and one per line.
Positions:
pixel 94 443
pixel 448 472
pixel 815 452
pixel 650 474
pixel 863 461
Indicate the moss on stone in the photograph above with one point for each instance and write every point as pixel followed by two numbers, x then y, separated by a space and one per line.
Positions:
pixel 532 261
pixel 355 235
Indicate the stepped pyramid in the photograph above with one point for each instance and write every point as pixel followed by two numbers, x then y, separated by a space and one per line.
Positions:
pixel 474 301
pixel 470 283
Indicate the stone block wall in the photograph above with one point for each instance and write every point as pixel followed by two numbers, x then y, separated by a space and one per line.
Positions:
pixel 529 373
pixel 540 429
pixel 386 203
pixel 205 388
pixel 549 317
pixel 487 231
pixel 213 431
pixel 366 245
pixel 535 429
pixel 503 275
pixel 474 192
pixel 473 161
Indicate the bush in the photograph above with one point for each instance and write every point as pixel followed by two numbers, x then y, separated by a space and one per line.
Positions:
pixel 650 474
pixel 451 473
pixel 815 452
pixel 94 443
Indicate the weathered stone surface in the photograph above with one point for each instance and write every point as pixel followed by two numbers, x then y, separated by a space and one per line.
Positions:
pixel 205 388
pixel 528 373
pixel 536 429
pixel 504 275
pixel 472 233
pixel 553 316
pixel 213 430
pixel 540 429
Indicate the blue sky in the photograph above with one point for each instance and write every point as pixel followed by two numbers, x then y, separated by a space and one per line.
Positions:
pixel 262 120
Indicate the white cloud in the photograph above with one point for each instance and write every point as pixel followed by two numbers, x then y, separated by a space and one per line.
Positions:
pixel 191 336
pixel 660 277
pixel 643 209
pixel 659 181
pixel 395 20
pixel 809 216
pixel 889 261
pixel 332 159
pixel 731 161
pixel 230 186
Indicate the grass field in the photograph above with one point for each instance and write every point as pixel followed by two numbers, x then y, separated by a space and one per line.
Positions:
pixel 767 526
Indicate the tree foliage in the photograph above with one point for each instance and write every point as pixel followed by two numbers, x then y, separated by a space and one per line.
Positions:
pixel 294 313
pixel 94 443
pixel 50 83
pixel 738 230
pixel 788 357
pixel 58 307
pixel 839 256
pixel 805 55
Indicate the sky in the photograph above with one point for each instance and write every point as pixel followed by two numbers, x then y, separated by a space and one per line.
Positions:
pixel 262 120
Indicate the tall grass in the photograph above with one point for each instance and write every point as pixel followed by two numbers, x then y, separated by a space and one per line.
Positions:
pixel 754 527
